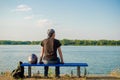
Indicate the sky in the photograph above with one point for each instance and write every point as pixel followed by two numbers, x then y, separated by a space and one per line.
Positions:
pixel 71 19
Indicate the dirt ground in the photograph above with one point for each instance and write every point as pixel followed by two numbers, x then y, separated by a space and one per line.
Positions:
pixel 7 76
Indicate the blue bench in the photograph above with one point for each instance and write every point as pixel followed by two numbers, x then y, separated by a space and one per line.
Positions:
pixel 78 65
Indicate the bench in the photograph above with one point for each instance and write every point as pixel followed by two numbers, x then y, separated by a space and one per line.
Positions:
pixel 78 65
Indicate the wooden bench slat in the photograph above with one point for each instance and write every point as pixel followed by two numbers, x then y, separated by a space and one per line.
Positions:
pixel 64 65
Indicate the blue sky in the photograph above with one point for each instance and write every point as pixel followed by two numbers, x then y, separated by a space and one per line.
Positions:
pixel 71 19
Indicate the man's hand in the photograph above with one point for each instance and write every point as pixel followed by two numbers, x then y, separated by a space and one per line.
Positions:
pixel 62 62
pixel 40 62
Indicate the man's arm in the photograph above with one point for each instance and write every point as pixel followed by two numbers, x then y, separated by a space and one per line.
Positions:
pixel 61 56
pixel 41 54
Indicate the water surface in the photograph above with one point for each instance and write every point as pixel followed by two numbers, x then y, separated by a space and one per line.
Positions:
pixel 101 59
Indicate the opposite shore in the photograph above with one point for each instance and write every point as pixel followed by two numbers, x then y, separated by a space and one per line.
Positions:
pixel 66 42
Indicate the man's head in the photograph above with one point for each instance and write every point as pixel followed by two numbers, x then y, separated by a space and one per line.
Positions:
pixel 51 33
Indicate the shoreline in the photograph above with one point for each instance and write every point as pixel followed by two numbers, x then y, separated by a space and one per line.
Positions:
pixel 7 76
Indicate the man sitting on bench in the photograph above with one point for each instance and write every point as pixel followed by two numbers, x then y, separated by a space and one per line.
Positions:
pixel 49 47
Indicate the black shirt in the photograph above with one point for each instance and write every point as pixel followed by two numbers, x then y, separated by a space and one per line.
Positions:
pixel 56 45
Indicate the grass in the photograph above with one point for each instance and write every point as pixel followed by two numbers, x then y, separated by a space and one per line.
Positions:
pixel 112 76
pixel 7 76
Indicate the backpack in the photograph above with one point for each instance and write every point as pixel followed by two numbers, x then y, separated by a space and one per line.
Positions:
pixel 19 72
pixel 32 59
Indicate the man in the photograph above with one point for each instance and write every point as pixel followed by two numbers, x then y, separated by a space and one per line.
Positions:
pixel 49 47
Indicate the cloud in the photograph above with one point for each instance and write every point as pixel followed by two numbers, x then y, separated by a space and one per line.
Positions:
pixel 23 8
pixel 44 23
pixel 28 17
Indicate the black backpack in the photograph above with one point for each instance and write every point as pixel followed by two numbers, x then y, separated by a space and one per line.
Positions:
pixel 19 72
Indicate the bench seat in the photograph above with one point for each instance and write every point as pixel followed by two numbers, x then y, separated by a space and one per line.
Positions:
pixel 63 65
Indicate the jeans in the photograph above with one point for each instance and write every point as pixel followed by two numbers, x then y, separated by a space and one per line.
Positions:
pixel 46 68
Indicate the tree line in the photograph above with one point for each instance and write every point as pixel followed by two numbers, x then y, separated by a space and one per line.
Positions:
pixel 66 42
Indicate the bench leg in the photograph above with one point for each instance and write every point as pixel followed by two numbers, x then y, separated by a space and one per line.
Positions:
pixel 85 72
pixel 78 71
pixel 29 71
